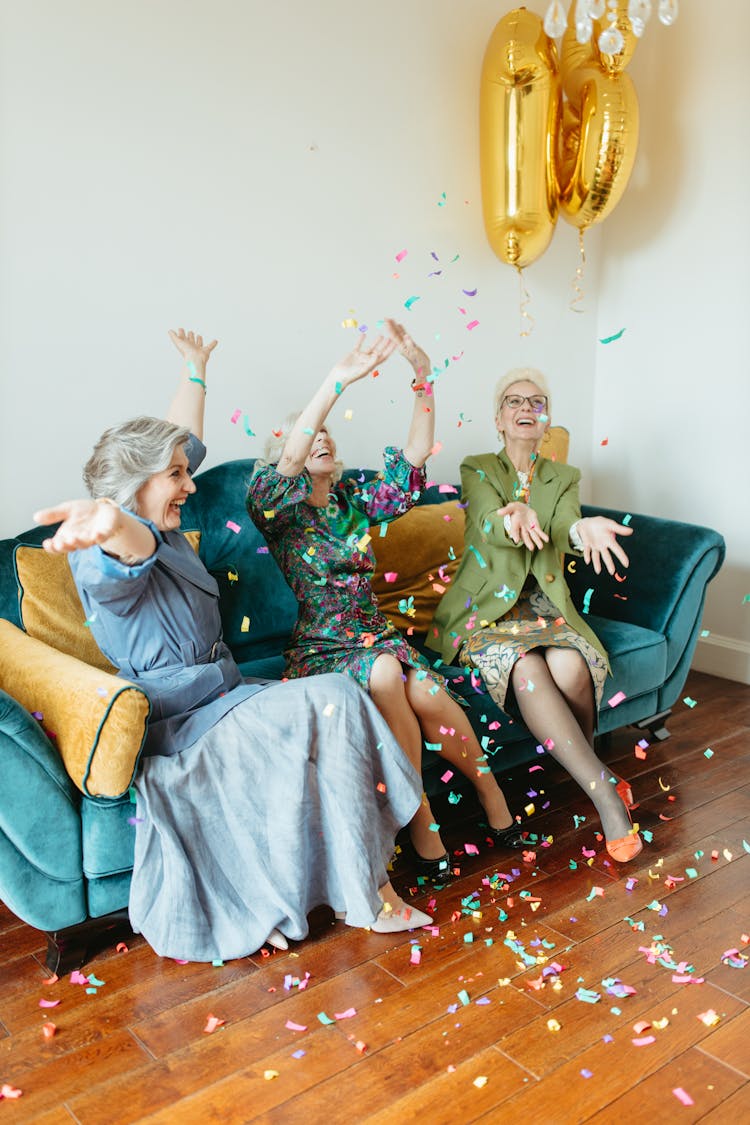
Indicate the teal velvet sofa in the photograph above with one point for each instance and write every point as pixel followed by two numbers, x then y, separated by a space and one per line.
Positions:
pixel 66 847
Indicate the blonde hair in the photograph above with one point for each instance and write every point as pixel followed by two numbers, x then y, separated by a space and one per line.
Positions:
pixel 274 446
pixel 521 375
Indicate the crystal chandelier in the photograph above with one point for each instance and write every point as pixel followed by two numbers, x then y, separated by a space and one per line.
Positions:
pixel 610 41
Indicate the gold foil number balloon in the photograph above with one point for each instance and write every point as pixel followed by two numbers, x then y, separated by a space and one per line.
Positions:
pixel 519 115
pixel 535 156
pixel 600 123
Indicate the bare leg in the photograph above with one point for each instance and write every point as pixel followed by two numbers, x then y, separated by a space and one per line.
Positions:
pixel 547 714
pixel 444 721
pixel 388 693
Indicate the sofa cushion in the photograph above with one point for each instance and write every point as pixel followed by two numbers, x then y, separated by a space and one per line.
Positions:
pixel 50 607
pixel 97 721
pixel 423 549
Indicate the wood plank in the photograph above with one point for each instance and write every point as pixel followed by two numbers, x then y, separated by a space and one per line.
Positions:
pixel 729 1043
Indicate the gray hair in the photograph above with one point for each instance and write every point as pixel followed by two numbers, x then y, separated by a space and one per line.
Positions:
pixel 274 446
pixel 521 375
pixel 128 455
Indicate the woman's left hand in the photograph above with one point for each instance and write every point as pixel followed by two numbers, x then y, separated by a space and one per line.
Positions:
pixel 599 538
pixel 418 359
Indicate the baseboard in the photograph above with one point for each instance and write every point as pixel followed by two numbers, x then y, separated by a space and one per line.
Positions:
pixel 727 657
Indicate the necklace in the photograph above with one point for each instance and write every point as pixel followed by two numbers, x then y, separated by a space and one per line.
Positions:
pixel 522 487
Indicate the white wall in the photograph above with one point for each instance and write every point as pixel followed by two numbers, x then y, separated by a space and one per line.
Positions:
pixel 673 395
pixel 251 170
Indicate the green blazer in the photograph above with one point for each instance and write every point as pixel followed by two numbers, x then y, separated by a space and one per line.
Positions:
pixel 493 568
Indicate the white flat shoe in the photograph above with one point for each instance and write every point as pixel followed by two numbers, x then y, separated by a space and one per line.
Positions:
pixel 277 940
pixel 391 921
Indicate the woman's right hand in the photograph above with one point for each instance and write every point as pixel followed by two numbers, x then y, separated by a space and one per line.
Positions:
pixel 524 525
pixel 84 523
pixel 361 361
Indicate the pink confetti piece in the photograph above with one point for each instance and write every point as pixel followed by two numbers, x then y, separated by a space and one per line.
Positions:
pixel 48 1003
pixel 390 575
pixel 237 414
pixel 295 1026
pixel 212 1023
pixel 235 527
pixel 682 1096
pixel 472 324
pixel 48 1029
pixel 471 849
pixel 447 776
pixel 616 698
pixel 401 255
pixel 347 1015
pixel 416 956
pixel 447 488
pixel 78 978
pixel 644 1041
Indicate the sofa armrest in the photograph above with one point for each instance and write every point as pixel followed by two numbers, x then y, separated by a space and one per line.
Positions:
pixel 97 720
pixel 41 867
pixel 663 589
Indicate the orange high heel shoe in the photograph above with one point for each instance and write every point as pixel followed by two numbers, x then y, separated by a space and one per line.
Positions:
pixel 626 847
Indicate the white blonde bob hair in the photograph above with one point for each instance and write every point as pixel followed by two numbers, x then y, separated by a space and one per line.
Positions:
pixel 521 375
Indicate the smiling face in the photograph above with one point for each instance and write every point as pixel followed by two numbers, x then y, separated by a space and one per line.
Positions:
pixel 321 461
pixel 527 421
pixel 161 498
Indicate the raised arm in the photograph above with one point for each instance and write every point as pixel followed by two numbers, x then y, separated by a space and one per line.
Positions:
pixel 421 437
pixel 189 403
pixel 89 522
pixel 354 366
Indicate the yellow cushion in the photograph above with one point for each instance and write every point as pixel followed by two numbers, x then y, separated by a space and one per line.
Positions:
pixel 51 610
pixel 96 720
pixel 423 549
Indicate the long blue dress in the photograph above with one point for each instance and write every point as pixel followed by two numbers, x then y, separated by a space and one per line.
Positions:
pixel 256 802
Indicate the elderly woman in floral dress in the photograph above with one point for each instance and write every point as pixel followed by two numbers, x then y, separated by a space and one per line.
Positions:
pixel 316 526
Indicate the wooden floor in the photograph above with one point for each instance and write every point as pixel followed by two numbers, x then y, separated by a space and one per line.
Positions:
pixel 556 987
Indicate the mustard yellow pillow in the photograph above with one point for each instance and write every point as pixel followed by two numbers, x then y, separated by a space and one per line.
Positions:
pixel 96 720
pixel 422 549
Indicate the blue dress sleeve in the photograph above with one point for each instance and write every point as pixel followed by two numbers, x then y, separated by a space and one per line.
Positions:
pixel 392 492
pixel 103 580
pixel 195 451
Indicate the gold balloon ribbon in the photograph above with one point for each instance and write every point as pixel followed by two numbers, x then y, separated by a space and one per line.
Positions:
pixel 577 282
pixel 524 302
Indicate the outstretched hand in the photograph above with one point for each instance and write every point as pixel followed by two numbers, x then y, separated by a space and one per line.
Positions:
pixel 599 538
pixel 84 523
pixel 362 360
pixel 191 346
pixel 524 525
pixel 418 359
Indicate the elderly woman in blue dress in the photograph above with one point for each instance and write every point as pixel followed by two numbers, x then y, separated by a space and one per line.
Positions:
pixel 317 529
pixel 245 824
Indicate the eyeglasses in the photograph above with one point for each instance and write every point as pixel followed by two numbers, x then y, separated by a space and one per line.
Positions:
pixel 538 403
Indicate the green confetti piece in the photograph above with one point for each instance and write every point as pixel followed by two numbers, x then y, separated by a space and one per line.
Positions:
pixel 691 873
pixel 464 996
pixel 217 964
pixel 611 339
pixel 616 1011
pixel 338 388
pixel 573 865
pixel 746 846
pixel 434 827
pixel 324 1019
pixel 587 599
pixel 131 795
pixel 627 519
pixel 689 702
pixel 708 752
pixel 705 633
pixel 479 558
pixel 648 836
pixel 488 941
pixel 454 798
pixel 410 301
pixel 468 939
pixel 436 746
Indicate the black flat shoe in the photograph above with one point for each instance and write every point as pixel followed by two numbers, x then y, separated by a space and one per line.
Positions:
pixel 510 837
pixel 436 870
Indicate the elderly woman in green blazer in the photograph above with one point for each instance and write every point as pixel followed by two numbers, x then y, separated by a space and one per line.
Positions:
pixel 508 612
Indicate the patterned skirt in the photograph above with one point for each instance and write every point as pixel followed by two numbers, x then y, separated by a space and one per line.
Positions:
pixel 533 622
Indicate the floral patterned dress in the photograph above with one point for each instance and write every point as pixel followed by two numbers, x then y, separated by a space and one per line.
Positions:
pixel 326 557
